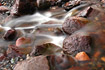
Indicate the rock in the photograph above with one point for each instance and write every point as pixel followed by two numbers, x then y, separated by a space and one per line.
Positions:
pixel 45 49
pixel 72 24
pixel 71 4
pixel 60 3
pixel 10 35
pixel 23 7
pixel 34 63
pixel 82 56
pixel 14 51
pixel 86 12
pixel 22 41
pixel 61 61
pixel 77 43
pixel 43 4
pixel 89 13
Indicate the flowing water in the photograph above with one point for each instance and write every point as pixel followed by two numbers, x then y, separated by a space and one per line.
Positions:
pixel 36 21
pixel 29 25
pixel 46 27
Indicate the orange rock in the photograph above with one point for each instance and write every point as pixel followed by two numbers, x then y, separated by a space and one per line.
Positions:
pixel 97 54
pixel 103 59
pixel 22 41
pixel 82 56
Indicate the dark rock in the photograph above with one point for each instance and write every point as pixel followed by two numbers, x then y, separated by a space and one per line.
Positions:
pixel 77 43
pixel 43 4
pixel 23 7
pixel 71 4
pixel 45 49
pixel 73 24
pixel 61 2
pixel 10 35
pixel 60 61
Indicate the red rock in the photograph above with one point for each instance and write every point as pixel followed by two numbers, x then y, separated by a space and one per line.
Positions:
pixel 34 63
pixel 14 51
pixel 89 13
pixel 77 43
pixel 2 56
pixel 61 61
pixel 22 41
pixel 72 24
pixel 0 4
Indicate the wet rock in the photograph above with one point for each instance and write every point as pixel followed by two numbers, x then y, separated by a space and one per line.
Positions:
pixel 43 4
pixel 89 13
pixel 72 24
pixel 61 2
pixel 82 56
pixel 10 35
pixel 71 4
pixel 85 13
pixel 12 51
pixel 45 49
pixel 22 41
pixel 61 61
pixel 23 7
pixel 34 63
pixel 77 43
